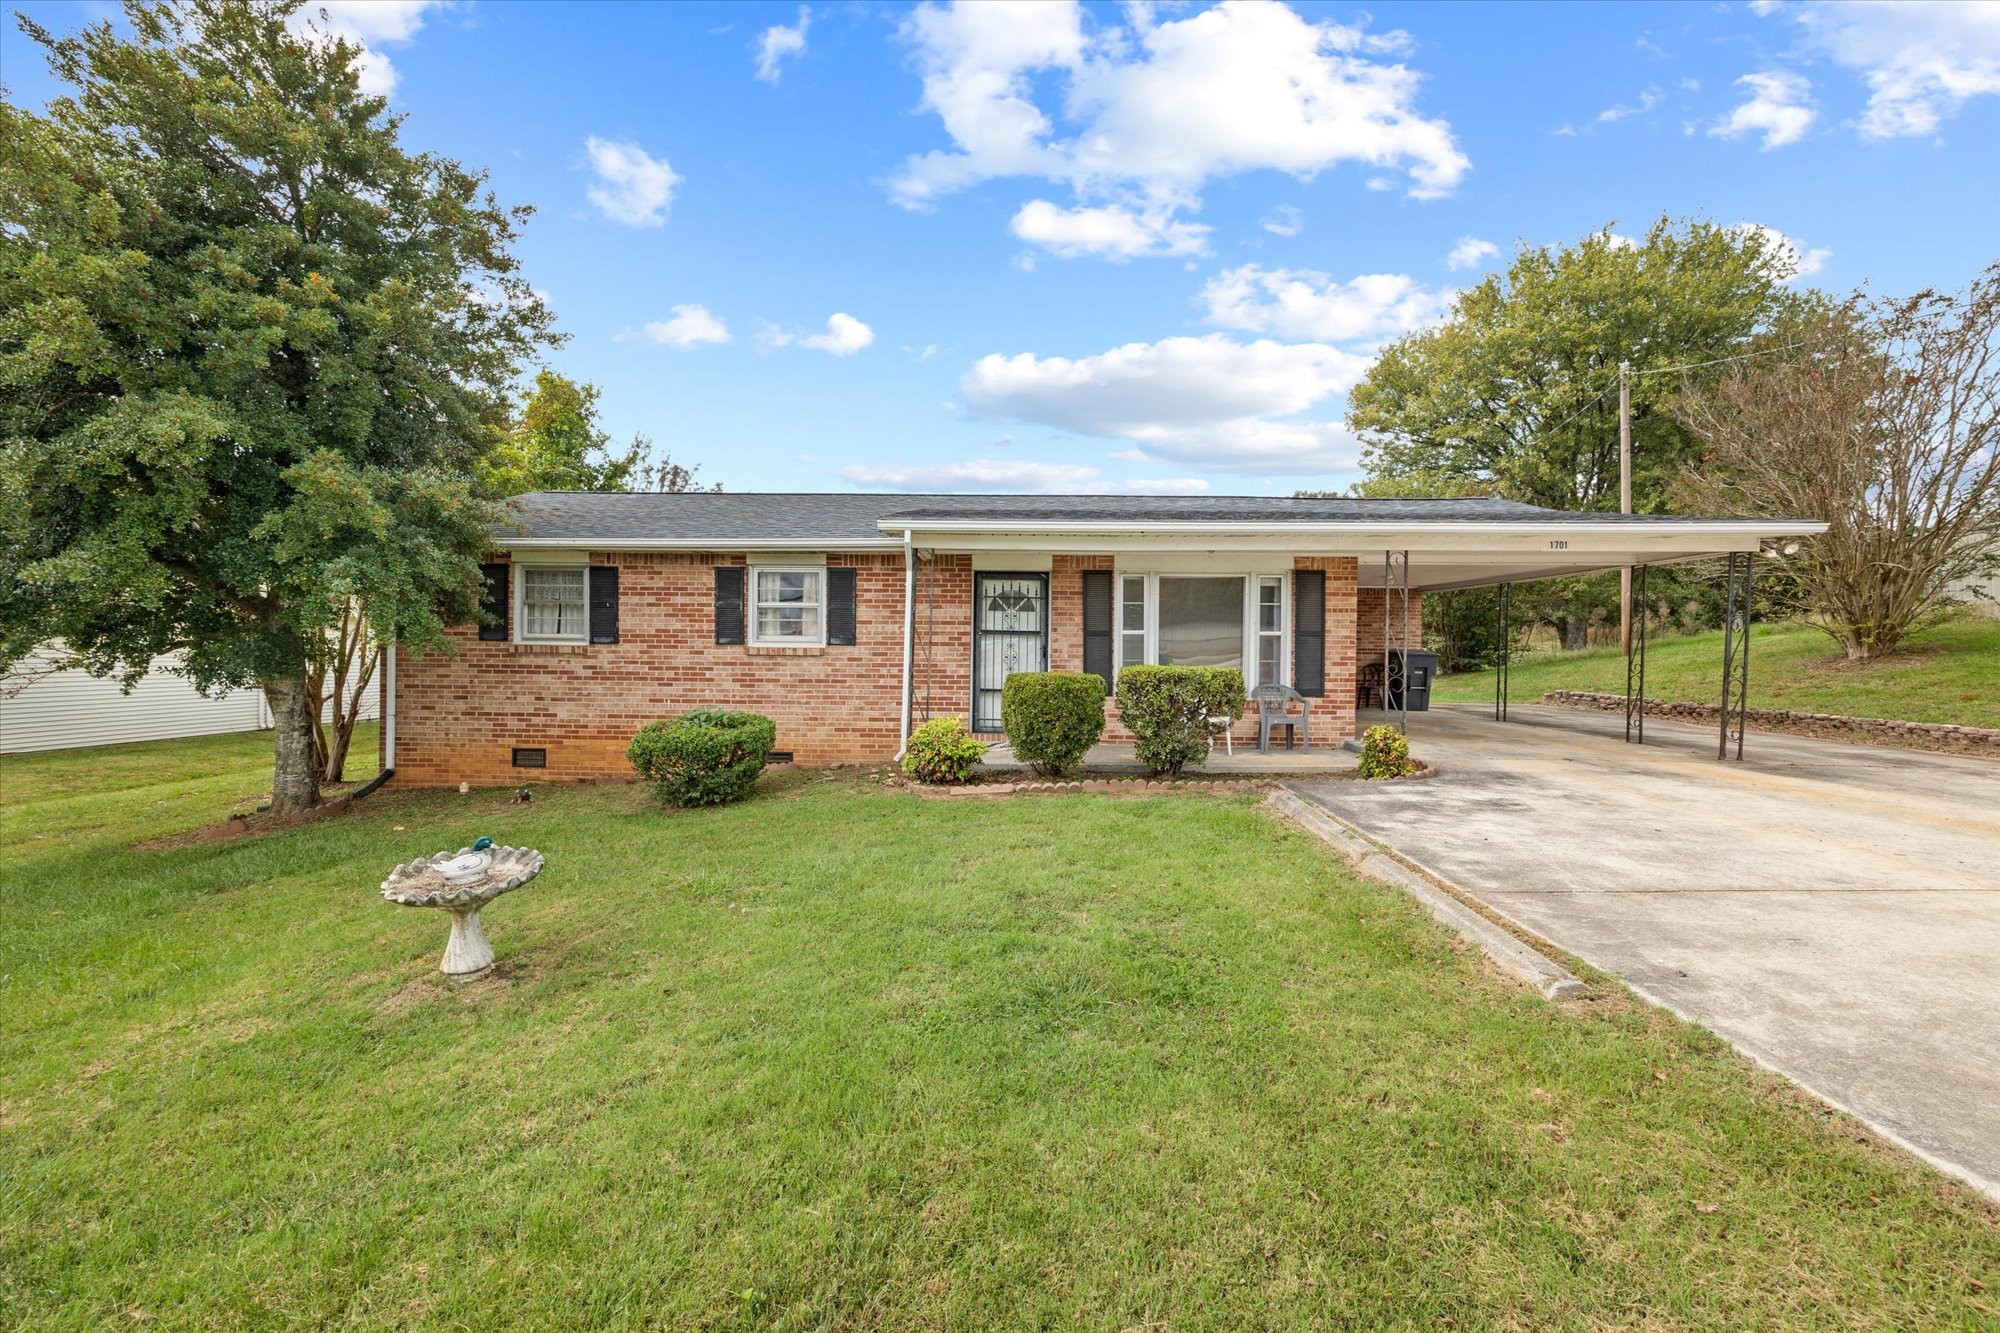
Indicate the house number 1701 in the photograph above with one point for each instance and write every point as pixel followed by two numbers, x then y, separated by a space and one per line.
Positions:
pixel 1558 545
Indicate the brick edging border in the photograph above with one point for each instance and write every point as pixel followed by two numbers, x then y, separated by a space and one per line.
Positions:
pixel 1785 719
pixel 1195 786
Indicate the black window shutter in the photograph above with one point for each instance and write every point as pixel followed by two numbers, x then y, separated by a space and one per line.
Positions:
pixel 1097 625
pixel 729 603
pixel 1309 632
pixel 494 603
pixel 840 605
pixel 604 603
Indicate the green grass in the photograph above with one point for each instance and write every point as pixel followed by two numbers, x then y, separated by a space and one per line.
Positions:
pixel 1947 674
pixel 841 1057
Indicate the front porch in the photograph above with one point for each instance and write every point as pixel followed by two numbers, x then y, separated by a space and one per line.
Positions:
pixel 1109 757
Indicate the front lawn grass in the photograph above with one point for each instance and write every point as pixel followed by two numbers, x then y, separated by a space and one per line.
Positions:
pixel 1947 674
pixel 840 1057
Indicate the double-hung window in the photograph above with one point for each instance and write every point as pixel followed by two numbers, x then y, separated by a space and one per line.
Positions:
pixel 786 606
pixel 1209 620
pixel 554 607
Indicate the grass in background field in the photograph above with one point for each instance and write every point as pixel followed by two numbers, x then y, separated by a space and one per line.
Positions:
pixel 134 792
pixel 1947 674
pixel 841 1057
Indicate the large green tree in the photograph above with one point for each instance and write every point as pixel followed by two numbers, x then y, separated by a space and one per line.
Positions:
pixel 557 444
pixel 251 351
pixel 1516 393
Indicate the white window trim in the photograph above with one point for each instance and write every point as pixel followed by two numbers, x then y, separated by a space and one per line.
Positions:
pixel 1250 631
pixel 757 640
pixel 520 582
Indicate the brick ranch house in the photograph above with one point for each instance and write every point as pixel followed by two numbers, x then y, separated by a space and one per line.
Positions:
pixel 849 618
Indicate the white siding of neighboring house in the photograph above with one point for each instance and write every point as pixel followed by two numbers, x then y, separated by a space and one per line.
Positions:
pixel 71 709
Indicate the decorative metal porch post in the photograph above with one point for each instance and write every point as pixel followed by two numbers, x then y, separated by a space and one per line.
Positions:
pixel 1395 563
pixel 1635 661
pixel 1736 652
pixel 1504 652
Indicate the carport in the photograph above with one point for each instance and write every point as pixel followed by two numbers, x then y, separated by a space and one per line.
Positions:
pixel 1630 542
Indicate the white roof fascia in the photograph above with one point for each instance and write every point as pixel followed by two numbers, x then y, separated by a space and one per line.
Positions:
pixel 842 546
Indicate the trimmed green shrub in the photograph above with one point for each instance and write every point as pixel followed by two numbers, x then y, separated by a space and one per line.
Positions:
pixel 1166 708
pixel 1385 753
pixel 1052 718
pixel 942 751
pixel 709 756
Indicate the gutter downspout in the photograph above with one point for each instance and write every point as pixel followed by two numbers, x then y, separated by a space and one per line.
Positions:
pixel 909 636
pixel 388 727
pixel 389 708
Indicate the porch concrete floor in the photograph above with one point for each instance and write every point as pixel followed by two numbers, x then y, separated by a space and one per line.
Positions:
pixel 1321 759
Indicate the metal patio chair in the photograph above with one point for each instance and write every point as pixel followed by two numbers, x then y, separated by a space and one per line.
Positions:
pixel 1273 704
pixel 1369 687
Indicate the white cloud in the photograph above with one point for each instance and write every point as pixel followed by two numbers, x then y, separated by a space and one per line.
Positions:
pixel 1113 232
pixel 1470 252
pixel 1284 220
pixel 1209 400
pixel 1301 303
pixel 1777 109
pixel 1921 60
pixel 691 326
pixel 777 43
pixel 633 187
pixel 845 335
pixel 1154 110
pixel 987 474
pixel 370 25
pixel 1648 99
pixel 1283 448
pixel 1799 260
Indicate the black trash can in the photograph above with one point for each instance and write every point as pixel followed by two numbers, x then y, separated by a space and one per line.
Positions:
pixel 1410 675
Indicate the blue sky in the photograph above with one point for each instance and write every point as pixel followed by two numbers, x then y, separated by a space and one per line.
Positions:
pixel 1030 247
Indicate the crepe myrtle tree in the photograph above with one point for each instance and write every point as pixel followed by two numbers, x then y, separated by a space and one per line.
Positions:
pixel 1880 416
pixel 251 351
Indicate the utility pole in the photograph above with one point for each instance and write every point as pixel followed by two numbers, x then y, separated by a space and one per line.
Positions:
pixel 1625 500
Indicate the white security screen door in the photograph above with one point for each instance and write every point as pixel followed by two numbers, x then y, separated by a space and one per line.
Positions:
pixel 1009 633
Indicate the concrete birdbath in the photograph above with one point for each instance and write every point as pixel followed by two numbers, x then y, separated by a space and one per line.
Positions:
pixel 461 883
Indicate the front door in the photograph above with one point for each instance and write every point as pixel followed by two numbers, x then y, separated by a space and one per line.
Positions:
pixel 1010 632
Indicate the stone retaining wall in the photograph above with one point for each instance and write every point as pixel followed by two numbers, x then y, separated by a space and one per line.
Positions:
pixel 1784 719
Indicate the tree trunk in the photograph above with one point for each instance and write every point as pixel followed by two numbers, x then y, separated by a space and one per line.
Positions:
pixel 295 775
pixel 339 737
pixel 1575 632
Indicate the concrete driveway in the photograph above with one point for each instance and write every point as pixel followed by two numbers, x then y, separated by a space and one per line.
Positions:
pixel 1833 910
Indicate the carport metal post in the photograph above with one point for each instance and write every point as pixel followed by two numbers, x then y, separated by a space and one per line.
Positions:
pixel 1635 660
pixel 1504 651
pixel 1736 650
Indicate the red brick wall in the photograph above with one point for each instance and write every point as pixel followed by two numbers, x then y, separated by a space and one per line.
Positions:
pixel 459 717
pixel 1368 622
pixel 941 678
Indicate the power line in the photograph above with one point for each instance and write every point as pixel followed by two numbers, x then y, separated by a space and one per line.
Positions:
pixel 1598 397
pixel 1718 361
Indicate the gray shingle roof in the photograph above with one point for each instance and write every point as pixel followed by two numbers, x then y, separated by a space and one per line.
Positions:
pixel 845 518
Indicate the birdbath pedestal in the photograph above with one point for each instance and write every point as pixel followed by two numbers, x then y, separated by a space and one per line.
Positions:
pixel 420 883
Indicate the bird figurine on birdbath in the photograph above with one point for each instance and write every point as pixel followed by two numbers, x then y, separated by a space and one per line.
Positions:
pixel 461 883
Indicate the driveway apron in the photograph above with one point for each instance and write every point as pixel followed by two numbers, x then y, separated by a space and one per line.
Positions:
pixel 1832 909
